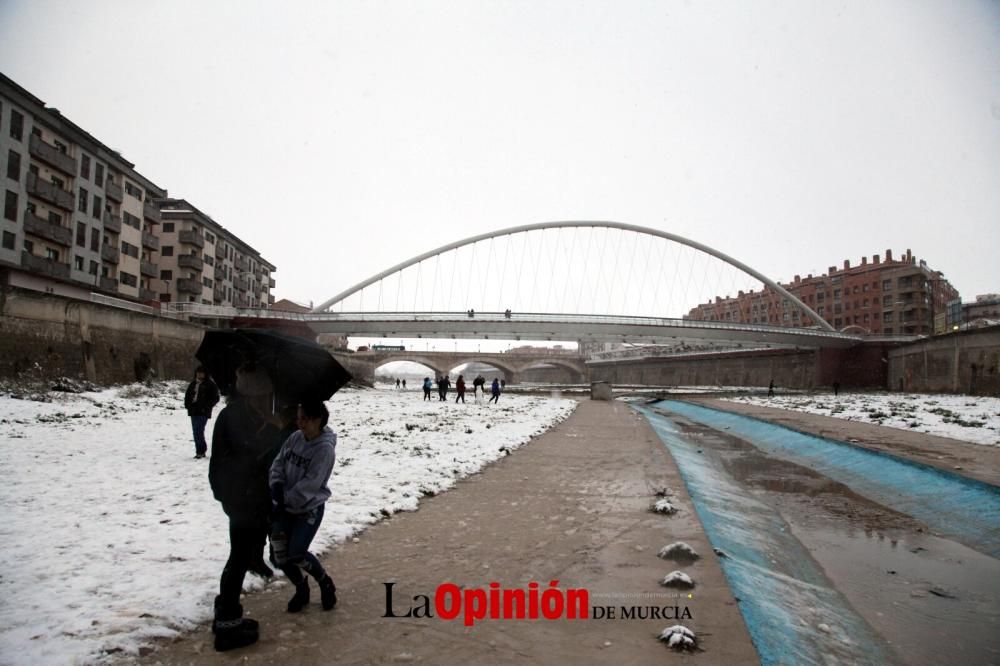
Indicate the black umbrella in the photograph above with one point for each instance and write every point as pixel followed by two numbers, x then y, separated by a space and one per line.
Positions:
pixel 299 369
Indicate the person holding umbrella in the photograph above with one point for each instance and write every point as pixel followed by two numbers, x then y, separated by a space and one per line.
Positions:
pixel 298 481
pixel 244 442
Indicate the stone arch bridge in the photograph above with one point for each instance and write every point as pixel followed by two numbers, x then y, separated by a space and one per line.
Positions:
pixel 363 364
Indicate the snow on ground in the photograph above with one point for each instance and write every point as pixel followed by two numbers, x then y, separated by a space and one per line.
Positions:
pixel 968 418
pixel 111 536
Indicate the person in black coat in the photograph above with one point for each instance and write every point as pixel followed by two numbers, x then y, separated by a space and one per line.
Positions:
pixel 201 396
pixel 245 441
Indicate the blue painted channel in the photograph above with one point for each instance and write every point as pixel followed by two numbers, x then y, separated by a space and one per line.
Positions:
pixel 793 613
pixel 965 509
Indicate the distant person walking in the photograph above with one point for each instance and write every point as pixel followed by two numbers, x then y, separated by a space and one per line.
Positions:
pixel 404 384
pixel 770 389
pixel 495 390
pixel 298 481
pixel 836 389
pixel 460 389
pixel 201 396
pixel 427 388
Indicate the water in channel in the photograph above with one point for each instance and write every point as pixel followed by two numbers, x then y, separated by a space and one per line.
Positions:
pixel 838 554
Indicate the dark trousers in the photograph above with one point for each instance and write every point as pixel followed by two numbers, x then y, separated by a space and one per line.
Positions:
pixel 198 429
pixel 299 529
pixel 460 396
pixel 246 543
pixel 427 394
pixel 495 398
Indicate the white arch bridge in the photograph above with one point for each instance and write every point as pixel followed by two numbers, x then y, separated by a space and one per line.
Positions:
pixel 590 281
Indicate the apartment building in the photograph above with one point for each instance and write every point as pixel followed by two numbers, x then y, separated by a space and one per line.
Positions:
pixel 77 216
pixel 202 262
pixel 884 297
pixel 78 219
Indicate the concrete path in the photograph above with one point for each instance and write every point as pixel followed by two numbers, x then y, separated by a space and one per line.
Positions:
pixel 571 506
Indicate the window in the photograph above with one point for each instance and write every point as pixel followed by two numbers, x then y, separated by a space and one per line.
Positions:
pixel 51 255
pixel 131 220
pixel 81 235
pixel 13 165
pixel 819 310
pixel 866 302
pixel 133 191
pixel 864 287
pixel 10 206
pixel 210 261
pixel 887 300
pixel 866 319
pixel 16 125
pixel 168 227
pixel 166 275
pixel 130 250
pixel 820 296
pixel 127 279
pixel 78 262
pixel 29 247
pixel 207 282
pixel 95 239
pixel 97 208
pixel 887 316
pixel 836 294
pixel 886 285
pixel 81 203
pixel 167 251
pixel 84 167
pixel 55 218
pixel 8 240
pixel 888 331
pixel 99 174
pixel 93 267
pixel 836 323
pixel 209 237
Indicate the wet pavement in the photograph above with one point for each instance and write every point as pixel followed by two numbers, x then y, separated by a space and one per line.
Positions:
pixel 931 599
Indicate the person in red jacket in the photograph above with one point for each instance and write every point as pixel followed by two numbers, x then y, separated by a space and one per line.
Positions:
pixel 460 388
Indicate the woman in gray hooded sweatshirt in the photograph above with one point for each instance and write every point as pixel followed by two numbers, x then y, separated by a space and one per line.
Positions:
pixel 299 491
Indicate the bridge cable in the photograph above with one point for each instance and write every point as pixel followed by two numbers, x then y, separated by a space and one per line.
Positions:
pixel 645 273
pixel 569 268
pixel 503 275
pixel 586 257
pixel 629 273
pixel 614 271
pixel 489 263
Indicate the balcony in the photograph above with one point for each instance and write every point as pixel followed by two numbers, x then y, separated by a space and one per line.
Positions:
pixel 240 284
pixel 109 284
pixel 49 192
pixel 51 156
pixel 219 295
pixel 48 230
pixel 219 273
pixel 149 241
pixel 114 190
pixel 242 264
pixel 110 254
pixel 220 251
pixel 151 212
pixel 44 266
pixel 147 295
pixel 189 286
pixel 148 269
pixel 191 238
pixel 112 222
pixel 190 261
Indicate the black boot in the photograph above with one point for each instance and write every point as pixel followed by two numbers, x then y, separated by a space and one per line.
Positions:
pixel 261 569
pixel 328 593
pixel 231 629
pixel 301 598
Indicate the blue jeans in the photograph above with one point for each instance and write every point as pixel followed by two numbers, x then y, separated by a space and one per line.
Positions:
pixel 299 529
pixel 198 428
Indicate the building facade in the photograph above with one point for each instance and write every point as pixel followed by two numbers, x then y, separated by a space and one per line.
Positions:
pixel 204 263
pixel 79 219
pixel 883 297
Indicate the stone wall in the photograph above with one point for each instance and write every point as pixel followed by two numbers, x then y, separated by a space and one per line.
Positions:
pixel 963 362
pixel 48 336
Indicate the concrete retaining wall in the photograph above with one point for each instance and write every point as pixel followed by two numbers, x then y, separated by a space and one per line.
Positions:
pixel 48 336
pixel 964 362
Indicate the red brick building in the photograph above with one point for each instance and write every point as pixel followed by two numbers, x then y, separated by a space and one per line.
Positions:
pixel 883 297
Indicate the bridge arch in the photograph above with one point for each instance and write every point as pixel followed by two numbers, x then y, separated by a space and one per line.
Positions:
pixel 807 311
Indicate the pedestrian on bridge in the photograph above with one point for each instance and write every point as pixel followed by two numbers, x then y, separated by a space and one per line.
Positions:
pixel 427 388
pixel 495 390
pixel 460 389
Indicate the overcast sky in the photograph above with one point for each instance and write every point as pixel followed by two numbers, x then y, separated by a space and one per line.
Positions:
pixel 340 138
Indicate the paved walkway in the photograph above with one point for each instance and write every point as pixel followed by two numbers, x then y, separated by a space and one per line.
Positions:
pixel 570 506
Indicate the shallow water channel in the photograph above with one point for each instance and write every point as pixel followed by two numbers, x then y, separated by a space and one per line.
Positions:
pixel 838 554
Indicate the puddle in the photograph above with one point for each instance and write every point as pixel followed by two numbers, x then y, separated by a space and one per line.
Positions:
pixel 810 551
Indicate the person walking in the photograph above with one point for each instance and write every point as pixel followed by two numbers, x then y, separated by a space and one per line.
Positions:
pixel 443 388
pixel 244 442
pixel 460 389
pixel 427 388
pixel 404 384
pixel 200 398
pixel 495 390
pixel 298 481
pixel 770 389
